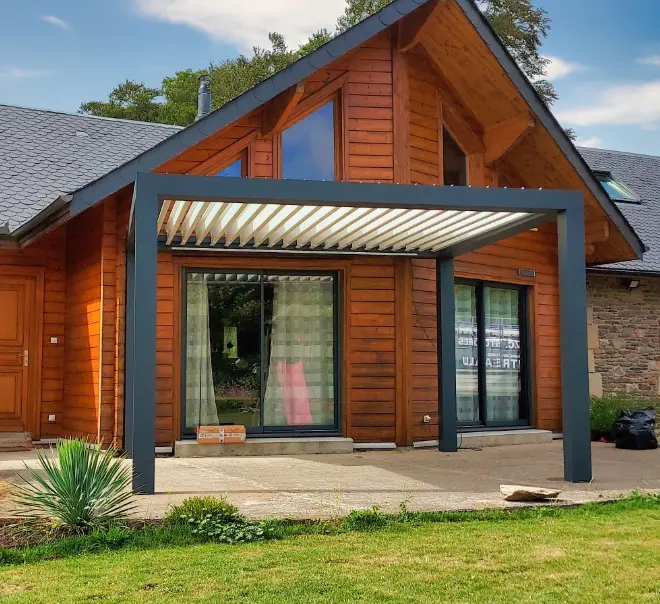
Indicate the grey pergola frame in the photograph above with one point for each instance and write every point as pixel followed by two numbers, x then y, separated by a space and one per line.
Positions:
pixel 564 207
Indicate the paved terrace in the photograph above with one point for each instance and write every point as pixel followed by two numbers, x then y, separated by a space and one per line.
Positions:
pixel 322 486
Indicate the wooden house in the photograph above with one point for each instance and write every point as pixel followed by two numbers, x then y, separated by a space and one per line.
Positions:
pixel 384 242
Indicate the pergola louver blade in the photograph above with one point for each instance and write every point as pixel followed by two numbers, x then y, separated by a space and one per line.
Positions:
pixel 326 227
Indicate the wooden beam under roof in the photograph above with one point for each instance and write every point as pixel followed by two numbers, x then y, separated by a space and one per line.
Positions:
pixel 413 28
pixel 502 137
pixel 280 109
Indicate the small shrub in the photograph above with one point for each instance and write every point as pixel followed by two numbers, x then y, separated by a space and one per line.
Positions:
pixel 215 519
pixel 88 489
pixel 237 531
pixel 605 410
pixel 368 520
pixel 196 509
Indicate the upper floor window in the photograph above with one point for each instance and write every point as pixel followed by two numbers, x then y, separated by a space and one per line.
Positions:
pixel 616 189
pixel 237 169
pixel 454 161
pixel 308 147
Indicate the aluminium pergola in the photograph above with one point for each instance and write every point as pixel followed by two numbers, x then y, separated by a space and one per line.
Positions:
pixel 288 216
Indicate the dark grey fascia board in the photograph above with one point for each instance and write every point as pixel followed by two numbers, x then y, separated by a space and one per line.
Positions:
pixel 36 223
pixel 353 194
pixel 549 121
pixel 242 105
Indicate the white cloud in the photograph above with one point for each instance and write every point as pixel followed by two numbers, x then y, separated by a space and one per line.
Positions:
pixel 56 21
pixel 650 60
pixel 628 104
pixel 558 68
pixel 21 73
pixel 591 141
pixel 246 23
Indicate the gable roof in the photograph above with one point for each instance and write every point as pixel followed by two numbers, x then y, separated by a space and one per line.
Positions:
pixel 96 190
pixel 45 154
pixel 642 174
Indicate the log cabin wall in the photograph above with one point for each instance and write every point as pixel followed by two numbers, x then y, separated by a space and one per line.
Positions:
pixel 83 324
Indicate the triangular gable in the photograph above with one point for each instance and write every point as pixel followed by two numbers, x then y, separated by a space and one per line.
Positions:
pixel 333 50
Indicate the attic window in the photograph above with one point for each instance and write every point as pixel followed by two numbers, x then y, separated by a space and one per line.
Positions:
pixel 616 189
pixel 236 168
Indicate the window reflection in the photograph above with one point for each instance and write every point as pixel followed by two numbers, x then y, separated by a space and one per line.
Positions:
pixel 308 147
pixel 467 353
pixel 235 170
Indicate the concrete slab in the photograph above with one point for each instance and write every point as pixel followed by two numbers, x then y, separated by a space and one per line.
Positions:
pixel 322 486
pixel 318 445
pixel 495 438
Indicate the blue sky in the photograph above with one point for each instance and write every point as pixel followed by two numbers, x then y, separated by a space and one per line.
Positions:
pixel 57 53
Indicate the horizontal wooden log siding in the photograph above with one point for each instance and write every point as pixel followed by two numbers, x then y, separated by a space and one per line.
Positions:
pixel 368 351
pixel 84 306
pixel 372 351
pixel 48 253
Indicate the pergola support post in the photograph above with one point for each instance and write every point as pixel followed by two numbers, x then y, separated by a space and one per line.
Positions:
pixel 446 350
pixel 573 330
pixel 129 354
pixel 141 320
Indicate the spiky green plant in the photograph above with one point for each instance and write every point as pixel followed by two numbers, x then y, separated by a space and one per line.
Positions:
pixel 88 489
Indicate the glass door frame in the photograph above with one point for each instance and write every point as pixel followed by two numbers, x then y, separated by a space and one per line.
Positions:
pixel 524 404
pixel 261 430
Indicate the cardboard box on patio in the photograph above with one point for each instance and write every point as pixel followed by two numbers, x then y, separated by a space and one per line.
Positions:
pixel 221 435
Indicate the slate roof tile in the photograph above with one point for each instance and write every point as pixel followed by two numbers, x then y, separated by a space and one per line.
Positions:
pixel 44 154
pixel 642 174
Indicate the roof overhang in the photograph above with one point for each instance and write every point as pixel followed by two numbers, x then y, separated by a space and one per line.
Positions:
pixel 205 212
pixel 124 175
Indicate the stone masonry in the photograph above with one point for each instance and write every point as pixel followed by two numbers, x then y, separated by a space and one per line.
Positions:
pixel 624 335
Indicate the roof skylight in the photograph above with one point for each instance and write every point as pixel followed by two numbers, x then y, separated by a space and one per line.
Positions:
pixel 615 188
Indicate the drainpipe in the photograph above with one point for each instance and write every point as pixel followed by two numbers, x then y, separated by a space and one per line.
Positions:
pixel 203 97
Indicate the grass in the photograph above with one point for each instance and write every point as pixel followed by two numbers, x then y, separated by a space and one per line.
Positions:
pixel 604 553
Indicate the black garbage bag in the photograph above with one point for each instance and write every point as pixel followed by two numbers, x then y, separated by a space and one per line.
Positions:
pixel 635 430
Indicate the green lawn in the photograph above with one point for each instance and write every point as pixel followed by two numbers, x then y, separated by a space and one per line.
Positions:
pixel 610 555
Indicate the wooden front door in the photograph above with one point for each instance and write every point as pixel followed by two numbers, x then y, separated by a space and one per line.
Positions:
pixel 17 297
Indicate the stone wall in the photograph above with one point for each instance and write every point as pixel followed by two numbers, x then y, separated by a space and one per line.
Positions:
pixel 624 335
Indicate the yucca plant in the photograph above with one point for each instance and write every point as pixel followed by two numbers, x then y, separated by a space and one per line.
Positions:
pixel 88 489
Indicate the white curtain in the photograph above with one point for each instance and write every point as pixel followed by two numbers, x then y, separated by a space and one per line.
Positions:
pixel 201 409
pixel 300 386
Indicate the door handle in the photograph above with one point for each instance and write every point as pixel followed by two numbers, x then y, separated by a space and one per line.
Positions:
pixel 26 358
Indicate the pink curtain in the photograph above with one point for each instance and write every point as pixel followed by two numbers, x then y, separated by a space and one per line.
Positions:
pixel 291 378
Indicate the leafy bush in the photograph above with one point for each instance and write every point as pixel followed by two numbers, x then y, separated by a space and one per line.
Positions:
pixel 606 409
pixel 88 489
pixel 237 531
pixel 196 509
pixel 214 519
pixel 368 520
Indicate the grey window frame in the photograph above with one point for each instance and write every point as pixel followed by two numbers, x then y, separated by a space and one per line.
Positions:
pixel 524 404
pixel 261 430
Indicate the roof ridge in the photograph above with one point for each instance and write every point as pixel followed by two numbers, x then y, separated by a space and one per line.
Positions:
pixel 95 117
pixel 627 153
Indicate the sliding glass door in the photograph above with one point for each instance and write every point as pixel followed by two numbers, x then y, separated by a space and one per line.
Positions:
pixel 260 350
pixel 492 369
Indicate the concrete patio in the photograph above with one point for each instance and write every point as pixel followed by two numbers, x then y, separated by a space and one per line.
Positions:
pixel 322 486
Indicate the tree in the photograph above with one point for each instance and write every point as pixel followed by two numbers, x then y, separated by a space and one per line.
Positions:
pixel 130 100
pixel 519 24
